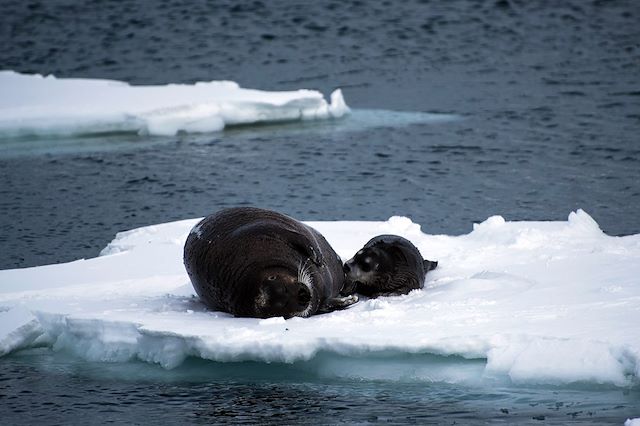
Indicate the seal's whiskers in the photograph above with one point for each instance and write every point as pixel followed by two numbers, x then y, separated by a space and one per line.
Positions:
pixel 305 277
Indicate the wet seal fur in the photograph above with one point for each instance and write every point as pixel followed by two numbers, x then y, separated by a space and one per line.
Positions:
pixel 259 263
pixel 387 265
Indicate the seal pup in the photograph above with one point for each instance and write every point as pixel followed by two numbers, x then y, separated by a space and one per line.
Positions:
pixel 252 262
pixel 387 265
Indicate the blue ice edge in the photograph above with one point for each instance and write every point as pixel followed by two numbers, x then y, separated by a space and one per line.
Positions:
pixel 358 120
pixel 393 367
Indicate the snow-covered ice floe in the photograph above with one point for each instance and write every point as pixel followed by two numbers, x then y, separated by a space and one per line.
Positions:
pixel 37 105
pixel 541 302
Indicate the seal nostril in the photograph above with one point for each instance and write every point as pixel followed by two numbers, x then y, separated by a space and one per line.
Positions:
pixel 304 295
pixel 346 268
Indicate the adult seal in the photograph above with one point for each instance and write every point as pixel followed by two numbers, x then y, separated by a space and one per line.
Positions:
pixel 259 263
pixel 387 265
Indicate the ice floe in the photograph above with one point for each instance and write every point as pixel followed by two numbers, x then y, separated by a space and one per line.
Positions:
pixel 46 105
pixel 541 302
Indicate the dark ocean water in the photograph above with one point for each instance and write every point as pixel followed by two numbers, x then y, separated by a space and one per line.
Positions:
pixel 548 99
pixel 549 92
pixel 41 387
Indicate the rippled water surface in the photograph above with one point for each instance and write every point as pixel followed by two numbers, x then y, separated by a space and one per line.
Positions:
pixel 539 114
pixel 547 91
pixel 39 386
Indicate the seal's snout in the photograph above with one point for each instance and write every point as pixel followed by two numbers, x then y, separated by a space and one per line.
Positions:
pixel 349 286
pixel 352 270
pixel 304 295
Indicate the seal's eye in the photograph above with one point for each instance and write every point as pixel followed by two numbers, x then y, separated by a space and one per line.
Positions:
pixel 272 278
pixel 366 264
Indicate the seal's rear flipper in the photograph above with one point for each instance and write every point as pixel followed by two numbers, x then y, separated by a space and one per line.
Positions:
pixel 430 265
pixel 337 303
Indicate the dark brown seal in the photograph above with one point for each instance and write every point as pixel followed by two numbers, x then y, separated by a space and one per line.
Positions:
pixel 387 265
pixel 253 262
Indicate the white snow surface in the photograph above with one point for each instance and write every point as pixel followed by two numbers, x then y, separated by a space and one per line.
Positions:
pixel 542 302
pixel 37 105
pixel 632 422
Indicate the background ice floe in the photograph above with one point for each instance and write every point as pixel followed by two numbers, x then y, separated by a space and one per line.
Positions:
pixel 542 302
pixel 37 105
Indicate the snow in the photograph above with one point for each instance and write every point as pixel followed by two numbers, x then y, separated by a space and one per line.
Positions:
pixel 535 302
pixel 632 422
pixel 37 105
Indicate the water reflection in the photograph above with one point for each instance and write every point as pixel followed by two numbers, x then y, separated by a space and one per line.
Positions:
pixel 358 121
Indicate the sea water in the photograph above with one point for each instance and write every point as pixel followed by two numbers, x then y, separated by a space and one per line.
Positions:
pixel 537 113
pixel 50 388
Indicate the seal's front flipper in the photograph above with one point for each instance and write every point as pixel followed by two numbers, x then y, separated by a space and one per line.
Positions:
pixel 301 243
pixel 348 288
pixel 430 265
pixel 337 303
pixel 305 244
pixel 315 256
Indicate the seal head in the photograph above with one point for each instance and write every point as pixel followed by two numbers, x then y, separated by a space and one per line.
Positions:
pixel 284 292
pixel 386 265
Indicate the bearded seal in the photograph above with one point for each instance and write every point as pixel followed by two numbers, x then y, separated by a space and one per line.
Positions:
pixel 252 262
pixel 387 265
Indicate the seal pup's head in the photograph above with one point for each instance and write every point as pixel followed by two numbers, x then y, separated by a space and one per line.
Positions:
pixel 387 264
pixel 285 293
pixel 370 268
